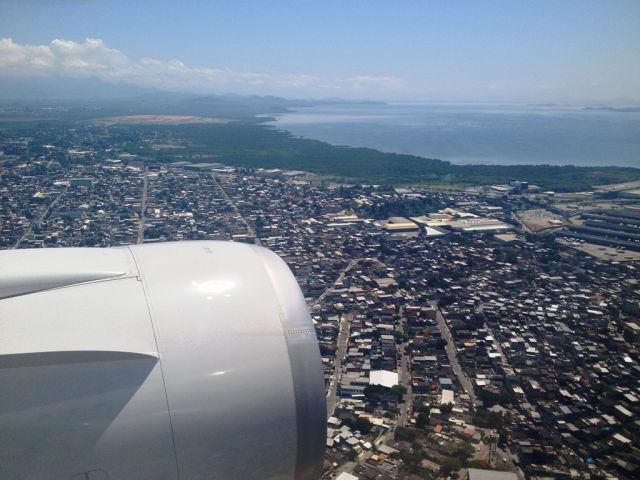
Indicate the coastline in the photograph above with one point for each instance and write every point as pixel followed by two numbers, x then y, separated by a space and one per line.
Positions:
pixel 475 134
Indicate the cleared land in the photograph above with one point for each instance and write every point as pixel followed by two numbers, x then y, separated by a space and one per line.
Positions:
pixel 619 187
pixel 538 220
pixel 161 120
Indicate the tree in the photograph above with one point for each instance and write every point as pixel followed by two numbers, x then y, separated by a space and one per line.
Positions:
pixel 404 434
pixel 450 464
pixel 400 336
pixel 398 390
pixel 487 419
pixel 422 420
pixel 374 392
pixel 489 399
pixel 446 408
pixel 464 451
pixel 412 458
pixel 363 425
pixel 441 344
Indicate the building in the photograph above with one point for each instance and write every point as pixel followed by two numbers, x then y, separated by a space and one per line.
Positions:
pixel 346 476
pixel 480 474
pixel 400 224
pixel 384 378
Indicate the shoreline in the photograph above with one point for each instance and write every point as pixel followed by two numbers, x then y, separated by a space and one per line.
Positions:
pixel 380 130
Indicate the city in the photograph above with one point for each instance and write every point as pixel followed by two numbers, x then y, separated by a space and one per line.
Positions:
pixel 486 328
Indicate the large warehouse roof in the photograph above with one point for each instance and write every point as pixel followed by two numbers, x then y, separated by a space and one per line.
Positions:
pixel 383 377
pixel 478 474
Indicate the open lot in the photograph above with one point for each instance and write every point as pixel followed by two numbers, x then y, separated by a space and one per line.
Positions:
pixel 619 187
pixel 539 219
pixel 602 252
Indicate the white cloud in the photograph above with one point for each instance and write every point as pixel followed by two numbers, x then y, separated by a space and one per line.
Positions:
pixel 93 59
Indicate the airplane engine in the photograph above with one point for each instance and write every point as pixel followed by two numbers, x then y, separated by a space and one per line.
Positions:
pixel 183 360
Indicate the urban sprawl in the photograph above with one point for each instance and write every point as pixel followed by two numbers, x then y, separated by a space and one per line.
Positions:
pixel 487 333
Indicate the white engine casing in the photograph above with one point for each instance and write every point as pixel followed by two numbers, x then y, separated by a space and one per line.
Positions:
pixel 182 360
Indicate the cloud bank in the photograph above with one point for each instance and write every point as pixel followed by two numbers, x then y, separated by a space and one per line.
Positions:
pixel 94 59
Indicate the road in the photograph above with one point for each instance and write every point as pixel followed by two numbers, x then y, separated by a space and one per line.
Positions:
pixel 452 355
pixel 503 357
pixel 143 205
pixel 496 343
pixel 237 212
pixel 341 351
pixel 404 373
pixel 343 339
pixel 404 376
pixel 36 221
pixel 341 276
pixel 404 379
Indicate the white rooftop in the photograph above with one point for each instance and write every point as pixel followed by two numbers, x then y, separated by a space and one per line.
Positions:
pixel 383 377
pixel 447 397
pixel 346 476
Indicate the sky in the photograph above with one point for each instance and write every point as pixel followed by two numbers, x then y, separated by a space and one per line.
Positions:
pixel 478 50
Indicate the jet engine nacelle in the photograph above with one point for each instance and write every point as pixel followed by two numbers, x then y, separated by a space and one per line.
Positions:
pixel 186 360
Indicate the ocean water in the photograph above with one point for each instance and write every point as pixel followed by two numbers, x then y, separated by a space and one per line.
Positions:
pixel 478 133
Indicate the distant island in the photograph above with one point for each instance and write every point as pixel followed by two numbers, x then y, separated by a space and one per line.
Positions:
pixel 609 108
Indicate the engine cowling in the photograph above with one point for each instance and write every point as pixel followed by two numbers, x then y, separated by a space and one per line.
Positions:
pixel 183 360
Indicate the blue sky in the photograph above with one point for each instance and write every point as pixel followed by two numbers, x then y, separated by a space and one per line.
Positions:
pixel 561 50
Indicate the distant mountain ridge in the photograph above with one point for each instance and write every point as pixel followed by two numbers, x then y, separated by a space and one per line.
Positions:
pixel 114 101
